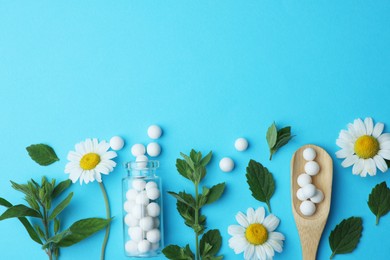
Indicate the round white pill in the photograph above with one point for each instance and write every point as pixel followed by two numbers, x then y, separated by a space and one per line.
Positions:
pixel 241 144
pixel 150 185
pixel 153 209
pixel 144 246
pixel 303 179
pixel 128 205
pixel 307 208
pixel 309 190
pixel 131 221
pixel 153 193
pixel 138 149
pixel 154 131
pixel 153 236
pixel 135 233
pixel 142 198
pixel 131 194
pixel 226 164
pixel 138 211
pixel 309 154
pixel 116 143
pixel 142 161
pixel 131 247
pixel 312 168
pixel 155 246
pixel 146 223
pixel 156 222
pixel 153 149
pixel 318 196
pixel 300 195
pixel 139 184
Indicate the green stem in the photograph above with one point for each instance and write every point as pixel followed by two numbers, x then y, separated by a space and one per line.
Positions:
pixel 333 253
pixel 196 221
pixel 269 206
pixel 47 235
pixel 377 220
pixel 108 216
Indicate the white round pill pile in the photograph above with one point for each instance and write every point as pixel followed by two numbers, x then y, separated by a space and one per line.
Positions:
pixel 142 217
pixel 308 192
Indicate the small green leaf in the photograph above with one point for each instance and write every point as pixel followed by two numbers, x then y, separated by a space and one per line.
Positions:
pixel 205 160
pixel 62 186
pixel 210 243
pixel 261 182
pixel 39 231
pixel 42 154
pixel 379 200
pixel 5 203
pixel 215 193
pixel 271 135
pixel 177 253
pixel 184 170
pixel 195 157
pixel 20 211
pixel 21 187
pixel 61 206
pixel 346 235
pixel 188 160
pixel 57 224
pixel 184 198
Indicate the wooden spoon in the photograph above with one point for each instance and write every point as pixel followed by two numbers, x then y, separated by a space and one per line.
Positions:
pixel 310 227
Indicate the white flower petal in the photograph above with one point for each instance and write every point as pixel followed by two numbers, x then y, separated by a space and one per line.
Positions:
pixel 380 163
pixel 349 161
pixel 276 236
pixel 271 222
pixel 275 245
pixel 250 214
pixel 249 251
pixel 108 155
pixel 79 147
pixel 360 128
pixel 73 156
pixel 371 167
pixel 358 167
pixel 268 250
pixel 75 175
pixel 384 138
pixel 236 230
pixel 369 125
pixel 259 215
pixel 344 153
pixel 344 144
pixel 241 219
pixel 98 177
pixel 385 154
pixel 260 253
pixel 238 244
pixel 352 131
pixel 346 136
pixel 378 129
pixel 385 145
pixel 88 145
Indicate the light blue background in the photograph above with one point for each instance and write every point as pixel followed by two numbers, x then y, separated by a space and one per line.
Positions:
pixel 207 72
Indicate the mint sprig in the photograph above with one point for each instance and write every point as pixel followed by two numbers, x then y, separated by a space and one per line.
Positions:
pixel 379 200
pixel 277 138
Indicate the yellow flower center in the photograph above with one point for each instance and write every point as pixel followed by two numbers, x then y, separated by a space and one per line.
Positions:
pixel 89 161
pixel 256 234
pixel 366 146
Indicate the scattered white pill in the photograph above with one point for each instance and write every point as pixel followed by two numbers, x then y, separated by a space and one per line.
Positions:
pixel 309 190
pixel 135 233
pixel 304 179
pixel 137 150
pixel 153 236
pixel 307 208
pixel 156 222
pixel 131 194
pixel 131 221
pixel 138 211
pixel 116 143
pixel 139 184
pixel 142 161
pixel 241 144
pixel 131 247
pixel 300 195
pixel 150 185
pixel 226 164
pixel 312 168
pixel 128 205
pixel 153 193
pixel 155 246
pixel 318 196
pixel 153 209
pixel 146 223
pixel 153 149
pixel 154 131
pixel 144 246
pixel 309 154
pixel 142 199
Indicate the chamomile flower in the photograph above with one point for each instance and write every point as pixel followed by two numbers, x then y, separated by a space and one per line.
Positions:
pixel 364 146
pixel 255 236
pixel 89 160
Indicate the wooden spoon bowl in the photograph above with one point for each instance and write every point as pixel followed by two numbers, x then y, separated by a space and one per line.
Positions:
pixel 310 227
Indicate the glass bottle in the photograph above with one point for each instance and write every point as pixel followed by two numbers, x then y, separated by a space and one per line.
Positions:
pixel 142 210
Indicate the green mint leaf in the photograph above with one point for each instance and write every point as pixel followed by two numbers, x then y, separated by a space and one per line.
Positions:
pixel 184 170
pixel 205 160
pixel 188 160
pixel 178 253
pixel 61 187
pixel 261 182
pixel 215 193
pixel 210 243
pixel 20 211
pixel 195 157
pixel 379 200
pixel 42 154
pixel 271 135
pixel 22 188
pixel 346 235
pixel 57 224
pixel 184 198
pixel 61 206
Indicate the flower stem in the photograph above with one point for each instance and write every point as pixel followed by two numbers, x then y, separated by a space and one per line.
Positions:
pixel 196 222
pixel 108 216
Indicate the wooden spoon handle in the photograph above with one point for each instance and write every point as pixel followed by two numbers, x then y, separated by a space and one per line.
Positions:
pixel 310 236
